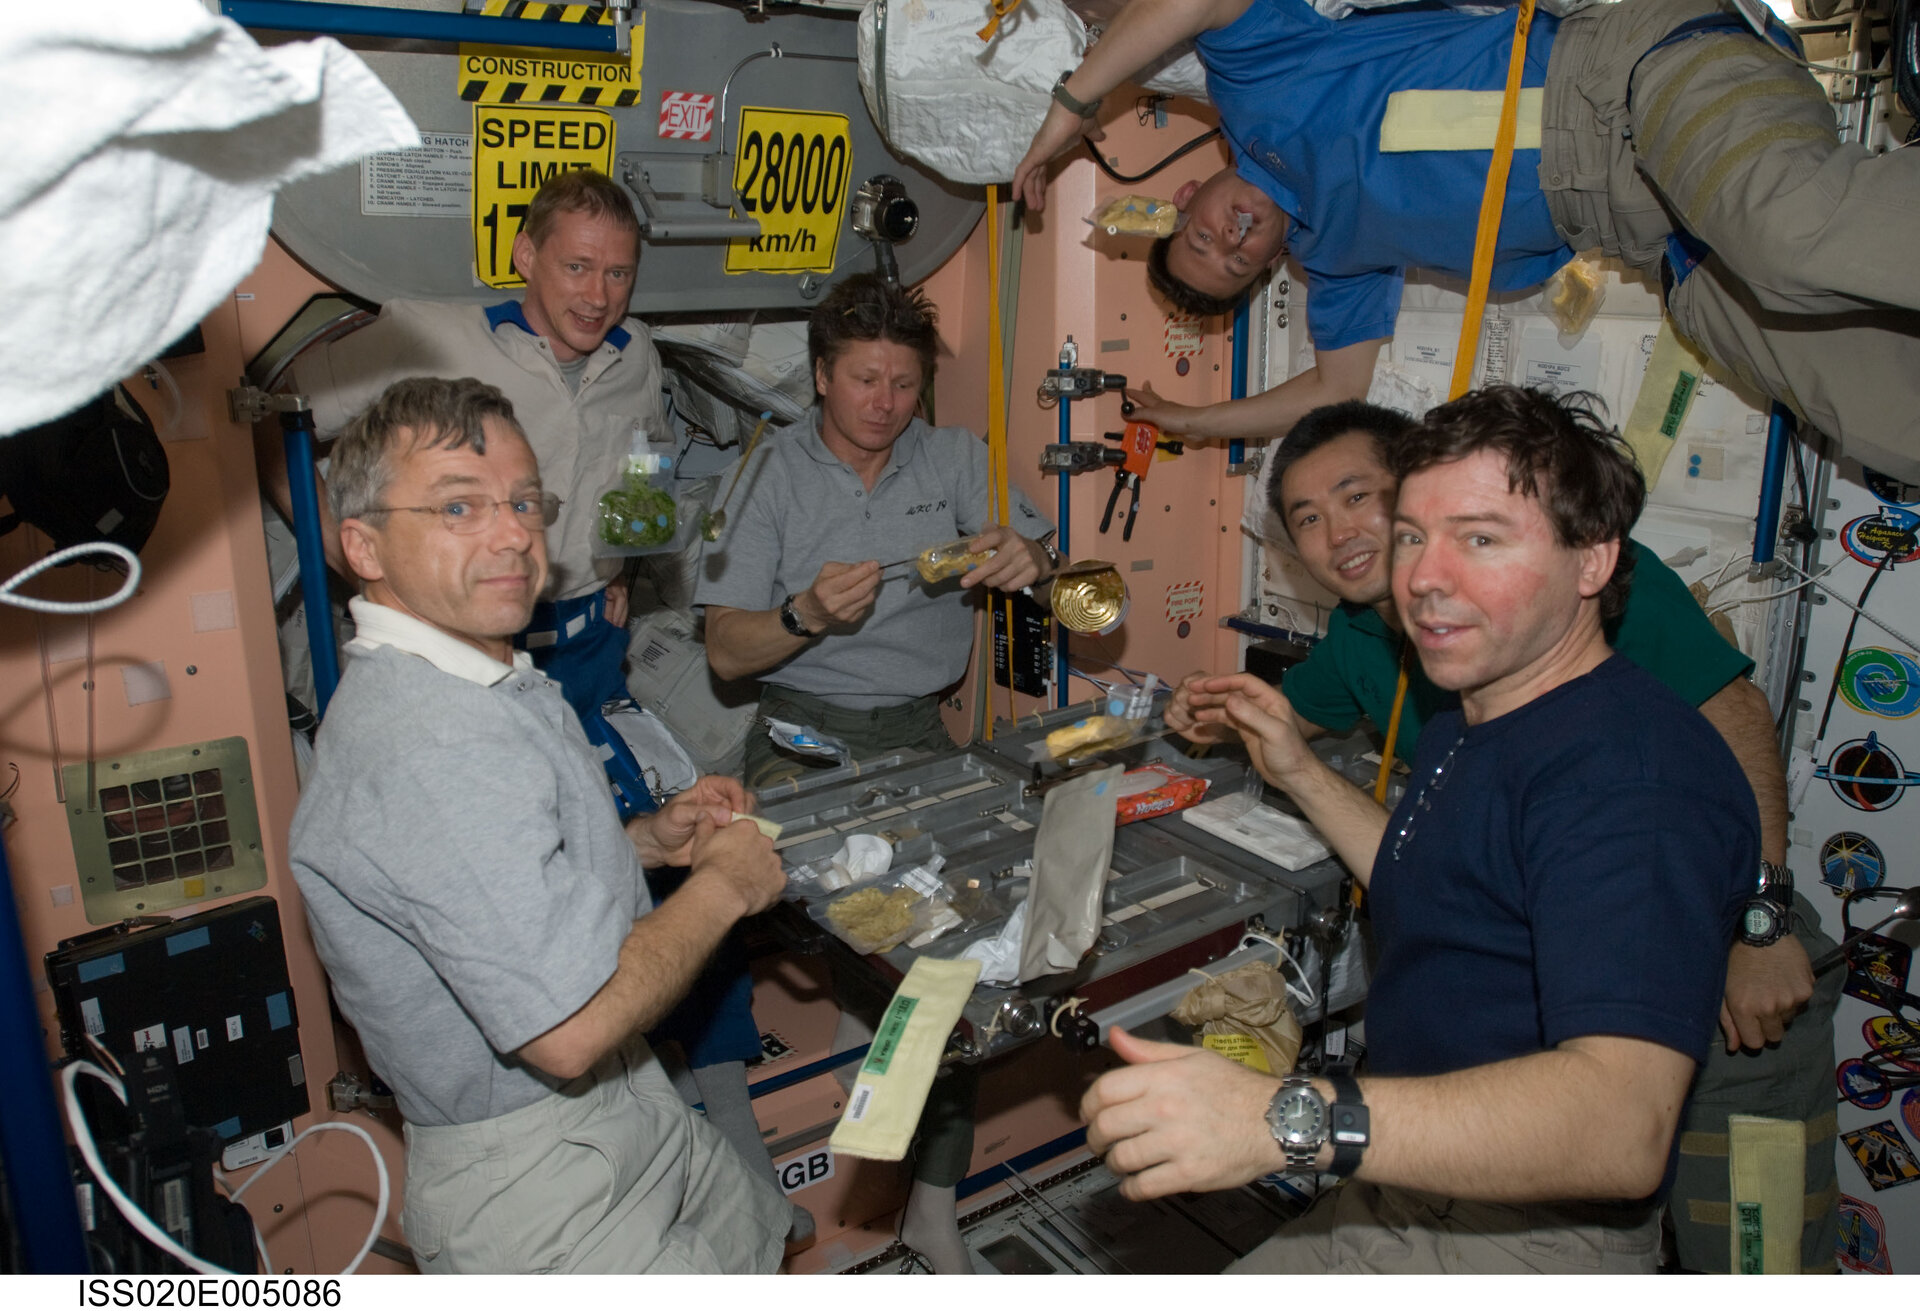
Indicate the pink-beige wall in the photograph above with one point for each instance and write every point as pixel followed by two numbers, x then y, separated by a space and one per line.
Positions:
pixel 1096 291
pixel 223 681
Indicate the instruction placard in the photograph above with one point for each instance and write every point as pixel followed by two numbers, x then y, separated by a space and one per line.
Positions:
pixel 515 75
pixel 516 148
pixel 432 180
pixel 791 168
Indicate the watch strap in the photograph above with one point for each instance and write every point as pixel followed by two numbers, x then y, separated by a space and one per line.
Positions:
pixel 791 621
pixel 1348 1126
pixel 1085 109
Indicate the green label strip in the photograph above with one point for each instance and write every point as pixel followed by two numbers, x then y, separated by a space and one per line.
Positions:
pixel 1752 1248
pixel 887 1041
pixel 1677 403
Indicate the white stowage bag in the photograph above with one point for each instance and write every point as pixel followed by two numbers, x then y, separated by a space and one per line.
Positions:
pixel 145 144
pixel 967 108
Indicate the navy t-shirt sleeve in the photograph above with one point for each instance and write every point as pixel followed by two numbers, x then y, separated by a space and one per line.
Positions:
pixel 1626 882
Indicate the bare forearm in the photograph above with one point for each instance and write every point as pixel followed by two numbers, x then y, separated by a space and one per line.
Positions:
pixel 1342 374
pixel 1740 713
pixel 1585 1121
pixel 659 960
pixel 741 643
pixel 1145 30
pixel 1351 821
pixel 1592 1119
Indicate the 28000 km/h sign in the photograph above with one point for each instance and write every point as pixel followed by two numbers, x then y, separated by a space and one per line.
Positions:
pixel 791 168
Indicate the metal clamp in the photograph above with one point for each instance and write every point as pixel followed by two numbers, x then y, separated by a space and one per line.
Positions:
pixel 249 404
pixel 1076 384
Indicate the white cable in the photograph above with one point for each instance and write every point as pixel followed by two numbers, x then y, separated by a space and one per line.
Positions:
pixel 1881 624
pixel 1812 580
pixel 1305 991
pixel 83 1138
pixel 379 1165
pixel 1720 575
pixel 10 595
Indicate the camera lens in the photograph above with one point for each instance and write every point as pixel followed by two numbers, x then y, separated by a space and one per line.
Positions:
pixel 898 218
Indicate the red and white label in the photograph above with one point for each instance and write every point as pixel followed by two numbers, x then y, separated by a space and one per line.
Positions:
pixel 686 116
pixel 1184 337
pixel 1185 600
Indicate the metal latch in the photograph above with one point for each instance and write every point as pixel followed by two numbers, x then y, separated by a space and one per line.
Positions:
pixel 248 404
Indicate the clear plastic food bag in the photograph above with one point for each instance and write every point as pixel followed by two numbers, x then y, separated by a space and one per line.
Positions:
pixel 1135 216
pixel 639 515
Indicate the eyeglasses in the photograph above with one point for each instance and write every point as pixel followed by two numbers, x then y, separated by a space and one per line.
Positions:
pixel 1423 801
pixel 473 514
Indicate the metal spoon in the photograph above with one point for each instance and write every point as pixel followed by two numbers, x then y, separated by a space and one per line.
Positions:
pixel 714 522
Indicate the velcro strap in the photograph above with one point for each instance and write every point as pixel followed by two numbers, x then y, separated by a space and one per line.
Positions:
pixel 1456 120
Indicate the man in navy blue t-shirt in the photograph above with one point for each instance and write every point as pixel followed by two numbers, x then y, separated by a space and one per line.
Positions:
pixel 1553 899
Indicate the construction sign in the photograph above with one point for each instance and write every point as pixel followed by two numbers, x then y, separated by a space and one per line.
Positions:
pixel 512 75
pixel 516 148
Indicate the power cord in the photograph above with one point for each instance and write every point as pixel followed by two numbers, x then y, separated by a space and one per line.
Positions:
pixel 1179 152
pixel 83 1138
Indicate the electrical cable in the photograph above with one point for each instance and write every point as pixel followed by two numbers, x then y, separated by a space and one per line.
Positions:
pixel 10 595
pixel 1179 152
pixel 1811 580
pixel 144 1225
pixel 1846 643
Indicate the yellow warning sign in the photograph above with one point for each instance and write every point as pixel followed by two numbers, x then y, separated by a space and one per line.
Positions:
pixel 512 75
pixel 791 168
pixel 516 148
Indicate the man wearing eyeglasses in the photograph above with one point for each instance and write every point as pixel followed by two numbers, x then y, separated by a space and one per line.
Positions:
pixel 1553 900
pixel 582 376
pixel 482 915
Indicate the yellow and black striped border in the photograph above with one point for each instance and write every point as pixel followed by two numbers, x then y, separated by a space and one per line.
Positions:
pixel 544 77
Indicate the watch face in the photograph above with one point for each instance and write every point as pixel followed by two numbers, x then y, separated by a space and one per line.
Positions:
pixel 1758 920
pixel 1301 1117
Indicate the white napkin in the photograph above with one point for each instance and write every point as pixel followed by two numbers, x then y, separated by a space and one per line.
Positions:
pixel 146 142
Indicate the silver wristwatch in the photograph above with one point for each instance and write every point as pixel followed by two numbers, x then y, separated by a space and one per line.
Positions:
pixel 1302 1122
pixel 1297 1117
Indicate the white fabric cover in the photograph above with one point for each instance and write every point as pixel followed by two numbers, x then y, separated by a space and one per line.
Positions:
pixel 146 142
pixel 967 108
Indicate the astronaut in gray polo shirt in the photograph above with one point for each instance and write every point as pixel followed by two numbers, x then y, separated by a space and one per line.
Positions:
pixel 795 592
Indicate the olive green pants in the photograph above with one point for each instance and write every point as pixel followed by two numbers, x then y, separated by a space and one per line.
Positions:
pixel 911 725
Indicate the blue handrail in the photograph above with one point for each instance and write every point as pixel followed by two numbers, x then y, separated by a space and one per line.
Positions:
pixel 418 25
pixel 32 1143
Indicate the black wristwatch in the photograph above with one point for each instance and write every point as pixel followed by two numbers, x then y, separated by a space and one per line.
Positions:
pixel 1302 1123
pixel 791 621
pixel 1768 914
pixel 1066 98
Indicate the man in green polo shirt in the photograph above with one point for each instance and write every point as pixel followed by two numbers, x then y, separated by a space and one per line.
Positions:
pixel 1330 487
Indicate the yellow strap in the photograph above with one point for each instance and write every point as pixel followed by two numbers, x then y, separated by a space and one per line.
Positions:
pixel 996 440
pixel 1491 205
pixel 1393 732
pixel 1000 11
